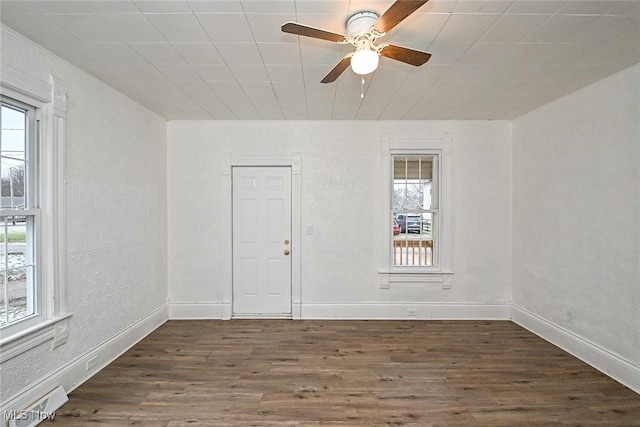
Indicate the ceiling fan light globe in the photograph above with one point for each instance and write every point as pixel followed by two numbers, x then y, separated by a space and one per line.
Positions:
pixel 364 62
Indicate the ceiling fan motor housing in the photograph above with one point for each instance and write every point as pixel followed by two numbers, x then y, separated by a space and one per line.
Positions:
pixel 361 23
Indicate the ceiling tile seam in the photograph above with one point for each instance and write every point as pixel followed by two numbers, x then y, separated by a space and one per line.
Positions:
pixel 273 90
pixel 304 79
pixel 217 97
pixel 304 76
pixel 427 93
pixel 304 83
pixel 172 83
pixel 434 41
pixel 386 107
pixel 167 79
pixel 54 23
pixel 169 100
pixel 228 106
pixel 213 44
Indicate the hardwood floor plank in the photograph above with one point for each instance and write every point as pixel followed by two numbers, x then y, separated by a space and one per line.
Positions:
pixel 284 372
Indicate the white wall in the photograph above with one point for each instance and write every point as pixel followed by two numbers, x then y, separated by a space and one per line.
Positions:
pixel 576 223
pixel 115 223
pixel 575 219
pixel 341 187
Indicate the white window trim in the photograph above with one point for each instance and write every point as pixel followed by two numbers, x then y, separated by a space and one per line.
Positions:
pixel 51 100
pixel 440 273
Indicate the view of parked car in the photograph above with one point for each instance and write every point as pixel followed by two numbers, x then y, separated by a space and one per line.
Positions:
pixel 411 223
pixel 396 228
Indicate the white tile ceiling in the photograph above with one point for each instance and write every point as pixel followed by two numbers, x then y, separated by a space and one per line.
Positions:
pixel 208 59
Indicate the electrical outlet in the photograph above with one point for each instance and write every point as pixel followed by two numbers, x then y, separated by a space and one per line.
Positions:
pixel 412 312
pixel 92 362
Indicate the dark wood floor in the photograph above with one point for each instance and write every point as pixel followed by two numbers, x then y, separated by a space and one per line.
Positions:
pixel 367 373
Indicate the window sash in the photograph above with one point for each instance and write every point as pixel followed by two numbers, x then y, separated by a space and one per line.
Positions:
pixel 33 310
pixel 415 169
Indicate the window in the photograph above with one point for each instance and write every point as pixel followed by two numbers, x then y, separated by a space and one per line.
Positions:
pixel 416 206
pixel 414 209
pixel 32 274
pixel 19 213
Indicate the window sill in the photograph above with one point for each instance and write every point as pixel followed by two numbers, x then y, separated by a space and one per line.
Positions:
pixel 416 278
pixel 55 330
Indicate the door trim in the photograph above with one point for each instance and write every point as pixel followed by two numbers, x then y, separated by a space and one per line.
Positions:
pixel 261 256
pixel 294 162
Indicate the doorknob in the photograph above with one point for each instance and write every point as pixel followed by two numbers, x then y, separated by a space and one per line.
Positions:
pixel 286 252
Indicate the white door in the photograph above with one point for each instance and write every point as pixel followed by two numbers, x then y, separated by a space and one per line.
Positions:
pixel 262 241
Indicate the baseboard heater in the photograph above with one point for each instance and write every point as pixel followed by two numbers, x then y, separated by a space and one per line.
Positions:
pixel 41 410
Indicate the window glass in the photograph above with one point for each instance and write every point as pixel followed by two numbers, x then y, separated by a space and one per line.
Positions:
pixel 13 166
pixel 18 292
pixel 413 209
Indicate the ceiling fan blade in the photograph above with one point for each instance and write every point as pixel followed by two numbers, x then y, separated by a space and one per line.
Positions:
pixel 396 14
pixel 337 70
pixel 316 33
pixel 406 55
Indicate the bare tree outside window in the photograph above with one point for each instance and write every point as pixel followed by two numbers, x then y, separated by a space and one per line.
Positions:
pixel 13 182
pixel 408 195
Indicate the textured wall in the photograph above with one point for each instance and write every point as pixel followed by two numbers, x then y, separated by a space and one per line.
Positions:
pixel 576 230
pixel 341 189
pixel 115 213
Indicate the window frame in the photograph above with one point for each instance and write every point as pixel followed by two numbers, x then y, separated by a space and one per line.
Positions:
pixel 50 100
pixel 433 210
pixel 31 210
pixel 440 272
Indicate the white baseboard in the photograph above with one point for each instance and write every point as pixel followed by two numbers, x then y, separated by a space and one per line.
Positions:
pixel 83 367
pixel 407 311
pixel 600 358
pixel 209 310
pixel 364 311
pixel 196 310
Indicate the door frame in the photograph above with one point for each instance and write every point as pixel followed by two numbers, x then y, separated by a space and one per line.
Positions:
pixel 229 161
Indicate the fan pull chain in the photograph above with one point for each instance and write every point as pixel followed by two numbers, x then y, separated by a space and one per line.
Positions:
pixel 362 89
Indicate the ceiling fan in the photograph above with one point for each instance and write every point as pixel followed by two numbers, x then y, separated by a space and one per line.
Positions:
pixel 363 29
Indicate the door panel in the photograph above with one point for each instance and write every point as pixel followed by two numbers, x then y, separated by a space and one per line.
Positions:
pixel 261 225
